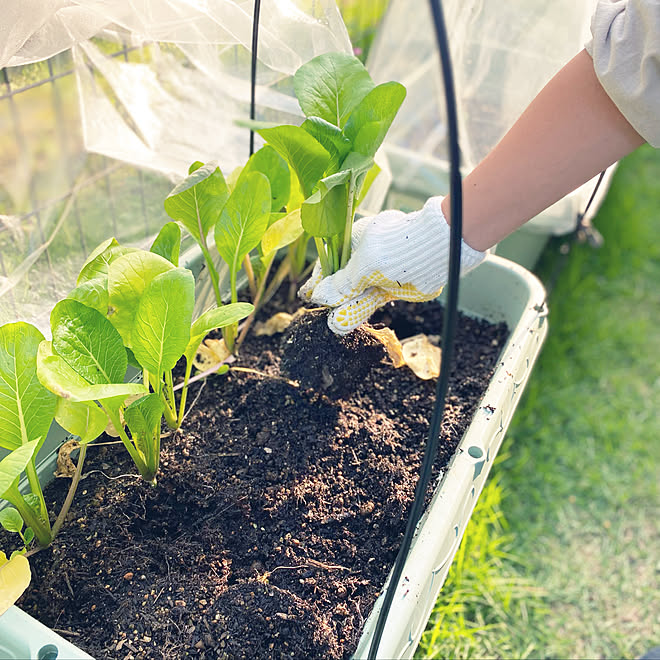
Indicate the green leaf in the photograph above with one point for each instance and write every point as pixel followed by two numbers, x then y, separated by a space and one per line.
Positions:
pixel 369 122
pixel 324 215
pixel 282 232
pixel 331 85
pixel 12 465
pixel 274 167
pixel 128 277
pixel 143 420
pixel 331 137
pixel 218 317
pixel 101 257
pixel 93 293
pixel 33 501
pixel 56 375
pixel 244 219
pixel 88 342
pixel 168 242
pixel 86 420
pixel 197 201
pixel 368 180
pixel 162 322
pixel 307 157
pixel 28 535
pixel 26 406
pixel 11 519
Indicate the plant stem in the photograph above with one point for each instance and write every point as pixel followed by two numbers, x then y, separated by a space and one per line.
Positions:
pixel 170 402
pixel 184 393
pixel 130 447
pixel 256 301
pixel 348 228
pixel 75 480
pixel 283 270
pixel 249 271
pixel 323 257
pixel 213 273
pixel 43 533
pixel 35 487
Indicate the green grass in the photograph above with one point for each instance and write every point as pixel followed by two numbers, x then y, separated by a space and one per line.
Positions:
pixel 580 479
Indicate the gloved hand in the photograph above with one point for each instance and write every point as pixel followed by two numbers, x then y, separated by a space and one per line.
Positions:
pixel 394 255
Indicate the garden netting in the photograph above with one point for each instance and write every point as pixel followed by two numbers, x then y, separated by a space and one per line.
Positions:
pixel 104 105
pixel 503 53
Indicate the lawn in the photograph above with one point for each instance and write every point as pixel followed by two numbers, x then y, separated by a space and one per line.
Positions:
pixel 561 557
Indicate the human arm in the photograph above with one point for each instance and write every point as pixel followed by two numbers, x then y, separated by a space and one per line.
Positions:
pixel 571 131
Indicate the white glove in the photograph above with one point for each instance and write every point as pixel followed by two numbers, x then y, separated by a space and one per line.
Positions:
pixel 394 255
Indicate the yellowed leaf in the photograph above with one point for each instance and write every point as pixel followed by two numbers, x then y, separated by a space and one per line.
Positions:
pixel 15 577
pixel 277 323
pixel 65 465
pixel 210 353
pixel 422 356
pixel 391 342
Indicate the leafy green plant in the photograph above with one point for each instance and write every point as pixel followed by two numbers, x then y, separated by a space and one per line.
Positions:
pixel 238 217
pixel 27 411
pixel 347 118
pixel 135 307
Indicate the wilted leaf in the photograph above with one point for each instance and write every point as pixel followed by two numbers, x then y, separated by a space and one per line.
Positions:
pixel 422 356
pixel 390 341
pixel 210 353
pixel 277 323
pixel 65 465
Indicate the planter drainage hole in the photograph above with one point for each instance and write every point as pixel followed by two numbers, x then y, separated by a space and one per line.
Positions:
pixel 48 652
pixel 475 452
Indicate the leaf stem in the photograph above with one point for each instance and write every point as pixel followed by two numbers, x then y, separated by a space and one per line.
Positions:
pixel 184 393
pixel 213 273
pixel 326 269
pixel 130 447
pixel 35 487
pixel 348 228
pixel 43 533
pixel 249 271
pixel 75 480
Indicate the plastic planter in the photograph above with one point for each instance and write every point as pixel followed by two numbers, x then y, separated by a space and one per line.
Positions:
pixel 24 638
pixel 499 291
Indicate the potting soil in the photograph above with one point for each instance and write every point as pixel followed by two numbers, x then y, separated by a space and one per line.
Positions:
pixel 278 512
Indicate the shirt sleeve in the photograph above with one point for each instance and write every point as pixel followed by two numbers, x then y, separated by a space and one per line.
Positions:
pixel 625 48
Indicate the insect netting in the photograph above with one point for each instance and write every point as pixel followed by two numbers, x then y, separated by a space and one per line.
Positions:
pixel 104 105
pixel 503 53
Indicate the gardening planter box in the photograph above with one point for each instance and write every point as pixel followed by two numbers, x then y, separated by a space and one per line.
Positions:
pixel 498 291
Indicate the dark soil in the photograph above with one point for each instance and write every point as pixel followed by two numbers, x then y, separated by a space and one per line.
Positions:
pixel 278 513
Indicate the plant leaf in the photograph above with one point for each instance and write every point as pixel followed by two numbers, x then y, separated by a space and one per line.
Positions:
pixel 275 168
pixel 128 277
pixel 331 137
pixel 163 319
pixel 26 406
pixel 93 293
pixel 101 257
pixel 11 519
pixel 324 213
pixel 143 420
pixel 56 375
pixel 15 577
pixel 369 122
pixel 28 535
pixel 244 219
pixel 12 465
pixel 88 342
pixel 86 420
pixel 308 158
pixel 197 201
pixel 218 317
pixel 168 242
pixel 368 180
pixel 331 85
pixel 282 232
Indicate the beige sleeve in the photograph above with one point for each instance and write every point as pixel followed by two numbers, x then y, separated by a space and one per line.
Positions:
pixel 625 48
